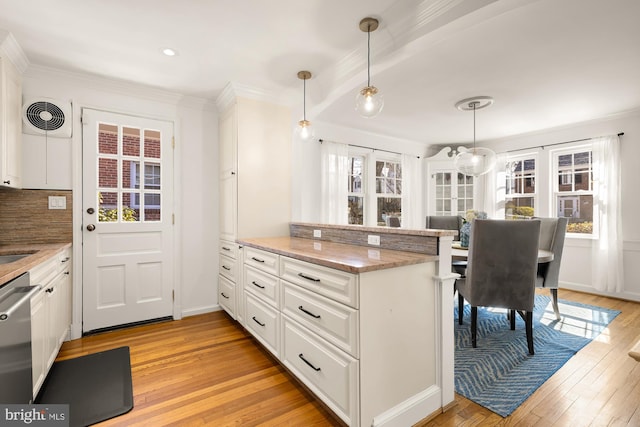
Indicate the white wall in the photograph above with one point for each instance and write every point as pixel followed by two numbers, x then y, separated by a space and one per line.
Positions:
pixel 195 166
pixel 575 271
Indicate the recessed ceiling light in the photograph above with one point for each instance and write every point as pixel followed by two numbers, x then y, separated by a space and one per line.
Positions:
pixel 169 52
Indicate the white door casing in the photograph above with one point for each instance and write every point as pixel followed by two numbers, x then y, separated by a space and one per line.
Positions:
pixel 127 195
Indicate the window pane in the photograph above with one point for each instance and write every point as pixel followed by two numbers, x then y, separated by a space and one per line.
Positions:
pixel 107 173
pixel 107 207
pixel 355 210
pixel 152 144
pixel 107 139
pixel 579 210
pixel 131 142
pixel 152 176
pixel 519 208
pixel 152 207
pixel 130 174
pixel 388 208
pixel 130 207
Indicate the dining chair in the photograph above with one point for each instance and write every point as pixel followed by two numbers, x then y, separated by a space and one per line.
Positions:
pixel 501 271
pixel 445 222
pixel 552 233
pixel 394 221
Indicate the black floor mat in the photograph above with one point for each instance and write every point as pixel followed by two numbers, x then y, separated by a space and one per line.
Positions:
pixel 96 386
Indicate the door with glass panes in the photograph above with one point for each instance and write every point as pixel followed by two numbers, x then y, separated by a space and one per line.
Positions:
pixel 450 193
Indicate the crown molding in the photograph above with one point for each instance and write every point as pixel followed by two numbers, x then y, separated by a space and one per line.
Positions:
pixel 10 48
pixel 234 90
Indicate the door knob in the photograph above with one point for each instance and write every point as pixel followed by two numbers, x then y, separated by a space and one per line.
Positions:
pixel 90 211
pixel 91 227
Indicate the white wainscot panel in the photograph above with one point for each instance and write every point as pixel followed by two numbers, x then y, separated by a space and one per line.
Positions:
pixel 129 243
pixel 149 281
pixel 111 286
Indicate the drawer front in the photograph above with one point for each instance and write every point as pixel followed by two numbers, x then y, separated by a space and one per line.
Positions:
pixel 227 295
pixel 228 248
pixel 330 373
pixel 262 285
pixel 262 260
pixel 335 322
pixel 228 267
pixel 263 322
pixel 335 284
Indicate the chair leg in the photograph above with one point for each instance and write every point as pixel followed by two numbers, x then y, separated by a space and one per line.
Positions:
pixel 554 299
pixel 512 319
pixel 460 308
pixel 529 326
pixel 474 326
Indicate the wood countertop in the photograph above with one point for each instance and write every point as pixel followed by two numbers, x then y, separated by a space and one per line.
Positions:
pixel 38 254
pixel 349 258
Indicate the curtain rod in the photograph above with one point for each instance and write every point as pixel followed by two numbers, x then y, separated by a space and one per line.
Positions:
pixel 369 148
pixel 556 143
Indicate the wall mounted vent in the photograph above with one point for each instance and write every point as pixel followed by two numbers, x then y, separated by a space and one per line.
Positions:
pixel 45 116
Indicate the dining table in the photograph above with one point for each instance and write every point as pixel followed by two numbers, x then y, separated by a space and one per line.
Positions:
pixel 458 253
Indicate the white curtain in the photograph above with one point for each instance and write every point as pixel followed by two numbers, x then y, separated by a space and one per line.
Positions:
pixel 334 167
pixel 495 188
pixel 412 215
pixel 606 259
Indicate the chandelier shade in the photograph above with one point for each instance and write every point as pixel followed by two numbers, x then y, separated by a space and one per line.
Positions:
pixel 478 160
pixel 369 99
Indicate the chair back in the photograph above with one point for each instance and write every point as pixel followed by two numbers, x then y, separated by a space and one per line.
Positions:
pixel 445 222
pixel 552 234
pixel 394 221
pixel 502 263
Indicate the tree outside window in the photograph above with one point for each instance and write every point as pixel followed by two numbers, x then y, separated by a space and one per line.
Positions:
pixel 389 193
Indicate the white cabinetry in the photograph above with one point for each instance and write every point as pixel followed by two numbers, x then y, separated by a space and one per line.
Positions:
pixel 10 121
pixel 255 179
pixel 363 343
pixel 50 313
pixel 449 192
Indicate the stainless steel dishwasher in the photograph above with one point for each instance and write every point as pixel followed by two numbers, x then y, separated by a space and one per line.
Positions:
pixel 15 340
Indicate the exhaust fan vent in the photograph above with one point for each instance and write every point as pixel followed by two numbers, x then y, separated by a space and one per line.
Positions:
pixel 47 117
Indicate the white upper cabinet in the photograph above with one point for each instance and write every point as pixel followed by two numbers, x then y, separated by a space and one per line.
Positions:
pixel 10 122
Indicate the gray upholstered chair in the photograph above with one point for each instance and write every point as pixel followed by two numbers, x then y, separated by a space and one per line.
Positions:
pixel 394 221
pixel 552 232
pixel 445 222
pixel 501 271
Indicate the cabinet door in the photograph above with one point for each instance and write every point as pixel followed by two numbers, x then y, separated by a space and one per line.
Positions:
pixel 452 193
pixel 10 125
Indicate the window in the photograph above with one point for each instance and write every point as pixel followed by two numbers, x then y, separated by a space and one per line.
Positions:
pixel 520 187
pixel 573 189
pixel 356 189
pixel 389 193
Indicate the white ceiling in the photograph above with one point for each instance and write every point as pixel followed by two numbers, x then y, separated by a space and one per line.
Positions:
pixel 547 63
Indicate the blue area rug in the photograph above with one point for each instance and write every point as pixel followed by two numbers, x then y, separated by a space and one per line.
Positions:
pixel 500 374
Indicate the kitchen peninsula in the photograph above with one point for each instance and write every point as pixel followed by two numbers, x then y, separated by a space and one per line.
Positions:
pixel 367 328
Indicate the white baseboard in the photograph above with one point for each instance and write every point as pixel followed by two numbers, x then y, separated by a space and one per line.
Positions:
pixel 412 410
pixel 201 310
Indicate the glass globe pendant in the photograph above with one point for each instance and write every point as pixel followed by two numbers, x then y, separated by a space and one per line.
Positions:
pixel 369 100
pixel 478 160
pixel 304 130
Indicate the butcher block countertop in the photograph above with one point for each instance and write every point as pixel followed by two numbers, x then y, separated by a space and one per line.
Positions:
pixel 345 257
pixel 38 254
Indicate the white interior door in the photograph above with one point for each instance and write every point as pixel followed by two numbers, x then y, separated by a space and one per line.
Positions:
pixel 127 268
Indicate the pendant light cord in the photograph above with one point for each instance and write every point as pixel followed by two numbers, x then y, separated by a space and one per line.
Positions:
pixel 368 55
pixel 304 99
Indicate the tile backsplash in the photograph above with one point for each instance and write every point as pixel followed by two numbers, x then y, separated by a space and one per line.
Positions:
pixel 25 217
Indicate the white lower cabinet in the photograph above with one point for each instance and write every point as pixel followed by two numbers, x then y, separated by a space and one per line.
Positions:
pixel 228 277
pixel 329 372
pixel 363 343
pixel 50 313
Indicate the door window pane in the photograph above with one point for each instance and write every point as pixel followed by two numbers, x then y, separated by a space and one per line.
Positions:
pixel 131 141
pixel 130 211
pixel 152 207
pixel 152 144
pixel 107 139
pixel 107 206
pixel 107 173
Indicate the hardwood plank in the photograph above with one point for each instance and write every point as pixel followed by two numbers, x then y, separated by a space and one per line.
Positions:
pixel 207 370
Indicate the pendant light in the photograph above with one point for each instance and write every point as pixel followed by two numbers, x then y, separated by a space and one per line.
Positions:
pixel 479 160
pixel 304 129
pixel 369 100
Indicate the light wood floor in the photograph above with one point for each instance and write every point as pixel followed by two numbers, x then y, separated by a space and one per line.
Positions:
pixel 206 370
